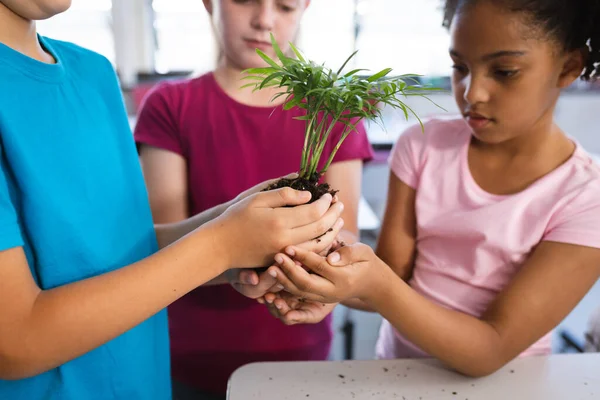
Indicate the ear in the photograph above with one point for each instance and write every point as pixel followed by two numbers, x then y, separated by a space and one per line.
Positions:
pixel 307 3
pixel 573 65
pixel 208 4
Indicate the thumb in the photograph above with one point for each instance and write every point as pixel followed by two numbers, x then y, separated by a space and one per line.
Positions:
pixel 349 254
pixel 282 197
pixel 247 277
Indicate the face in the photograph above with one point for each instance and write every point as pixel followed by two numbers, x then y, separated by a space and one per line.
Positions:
pixel 507 77
pixel 242 26
pixel 36 9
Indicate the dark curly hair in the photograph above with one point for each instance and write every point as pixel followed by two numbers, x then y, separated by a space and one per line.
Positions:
pixel 573 23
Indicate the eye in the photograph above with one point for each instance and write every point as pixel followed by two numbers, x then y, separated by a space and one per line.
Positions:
pixel 286 8
pixel 506 73
pixel 460 69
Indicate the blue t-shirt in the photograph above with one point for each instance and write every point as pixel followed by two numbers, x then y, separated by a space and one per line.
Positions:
pixel 73 195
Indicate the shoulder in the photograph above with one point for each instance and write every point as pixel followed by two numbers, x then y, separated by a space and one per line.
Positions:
pixel 77 57
pixel 580 178
pixel 433 134
pixel 173 91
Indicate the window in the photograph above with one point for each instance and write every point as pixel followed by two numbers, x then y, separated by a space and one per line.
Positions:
pixel 184 36
pixel 405 35
pixel 87 23
pixel 327 31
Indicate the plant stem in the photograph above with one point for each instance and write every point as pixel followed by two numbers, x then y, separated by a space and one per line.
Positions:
pixel 305 149
pixel 320 145
pixel 346 132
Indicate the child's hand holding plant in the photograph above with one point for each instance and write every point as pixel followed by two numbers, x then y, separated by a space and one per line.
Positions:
pixel 350 272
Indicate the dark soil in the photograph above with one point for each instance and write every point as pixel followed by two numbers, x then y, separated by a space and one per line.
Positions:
pixel 312 185
pixel 316 189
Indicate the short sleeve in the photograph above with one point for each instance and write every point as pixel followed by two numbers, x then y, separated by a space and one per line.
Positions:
pixel 156 124
pixel 356 146
pixel 405 158
pixel 10 231
pixel 578 222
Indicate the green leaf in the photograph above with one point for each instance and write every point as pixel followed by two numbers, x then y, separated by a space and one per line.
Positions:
pixel 297 53
pixel 270 78
pixel 379 75
pixel 282 57
pixel 354 71
pixel 261 71
pixel 268 59
pixel 346 62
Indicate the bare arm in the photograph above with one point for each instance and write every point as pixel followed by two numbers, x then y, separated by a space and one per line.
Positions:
pixel 548 287
pixel 40 330
pixel 165 173
pixel 396 245
pixel 346 177
pixel 544 291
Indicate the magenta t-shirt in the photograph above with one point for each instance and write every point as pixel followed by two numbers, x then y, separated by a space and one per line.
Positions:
pixel 229 148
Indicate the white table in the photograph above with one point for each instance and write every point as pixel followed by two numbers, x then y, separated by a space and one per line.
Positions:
pixel 557 377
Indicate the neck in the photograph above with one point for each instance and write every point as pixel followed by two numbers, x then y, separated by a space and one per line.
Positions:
pixel 230 78
pixel 20 34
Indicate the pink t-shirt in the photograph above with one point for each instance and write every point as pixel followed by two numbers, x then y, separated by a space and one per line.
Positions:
pixel 470 243
pixel 230 147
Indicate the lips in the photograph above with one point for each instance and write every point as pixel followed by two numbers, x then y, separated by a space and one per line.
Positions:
pixel 257 44
pixel 477 121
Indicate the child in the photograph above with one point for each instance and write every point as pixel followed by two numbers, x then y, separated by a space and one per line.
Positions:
pixel 492 230
pixel 188 125
pixel 81 291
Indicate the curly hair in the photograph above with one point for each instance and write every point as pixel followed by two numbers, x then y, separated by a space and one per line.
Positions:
pixel 575 24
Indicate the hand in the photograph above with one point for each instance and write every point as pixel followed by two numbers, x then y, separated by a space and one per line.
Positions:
pixel 350 272
pixel 259 188
pixel 251 284
pixel 252 231
pixel 292 310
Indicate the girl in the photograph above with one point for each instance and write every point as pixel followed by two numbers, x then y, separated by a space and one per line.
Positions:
pixel 492 229
pixel 185 126
pixel 82 285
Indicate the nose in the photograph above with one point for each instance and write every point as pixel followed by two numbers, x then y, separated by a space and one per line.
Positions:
pixel 475 90
pixel 264 15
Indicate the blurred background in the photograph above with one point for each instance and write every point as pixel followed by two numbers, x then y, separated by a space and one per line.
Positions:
pixel 151 40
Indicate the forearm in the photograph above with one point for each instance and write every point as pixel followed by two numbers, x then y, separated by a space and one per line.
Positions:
pixel 170 233
pixel 68 321
pixel 463 342
pixel 358 304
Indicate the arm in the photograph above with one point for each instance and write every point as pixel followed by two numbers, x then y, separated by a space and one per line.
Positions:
pixel 548 287
pixel 165 173
pixel 346 177
pixel 397 241
pixel 550 284
pixel 41 329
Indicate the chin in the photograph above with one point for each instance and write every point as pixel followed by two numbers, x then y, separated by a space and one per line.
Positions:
pixel 49 8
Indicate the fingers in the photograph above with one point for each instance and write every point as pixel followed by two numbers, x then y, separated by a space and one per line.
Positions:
pixel 318 227
pixel 310 260
pixel 308 213
pixel 270 182
pixel 247 277
pixel 322 243
pixel 282 197
pixel 297 281
pixel 350 254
